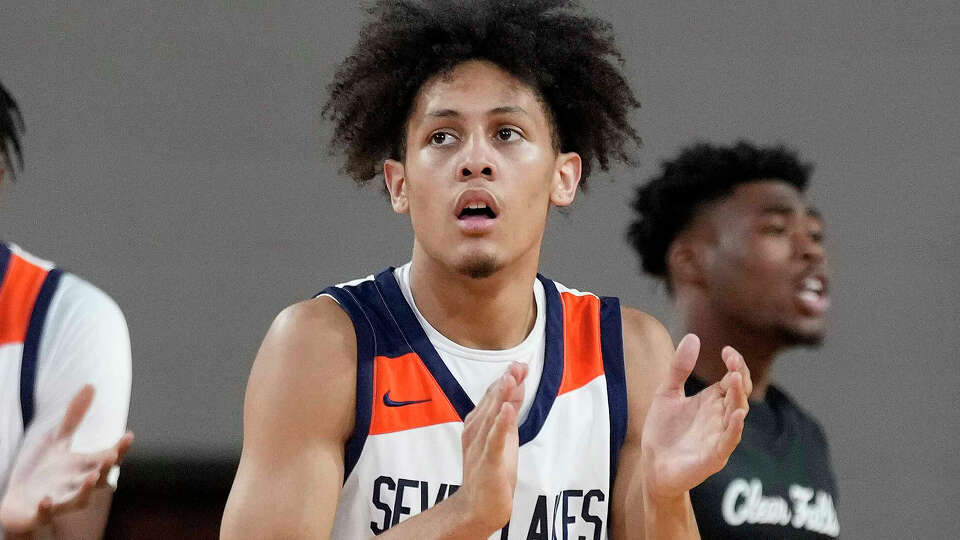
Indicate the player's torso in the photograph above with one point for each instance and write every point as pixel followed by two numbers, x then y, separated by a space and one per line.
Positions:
pixel 26 285
pixel 774 486
pixel 405 455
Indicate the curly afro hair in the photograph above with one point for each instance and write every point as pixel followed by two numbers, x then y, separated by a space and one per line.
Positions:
pixel 568 58
pixel 700 174
pixel 11 126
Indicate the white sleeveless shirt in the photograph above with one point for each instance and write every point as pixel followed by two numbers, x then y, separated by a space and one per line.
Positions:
pixel 414 387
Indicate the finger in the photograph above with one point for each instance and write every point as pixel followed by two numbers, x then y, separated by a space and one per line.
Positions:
pixel 79 495
pixel 730 437
pixel 504 424
pixel 78 407
pixel 682 364
pixel 735 362
pixel 492 402
pixel 732 394
pixel 45 510
pixel 123 446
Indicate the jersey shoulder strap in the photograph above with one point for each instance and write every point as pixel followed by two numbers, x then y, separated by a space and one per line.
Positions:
pixel 27 288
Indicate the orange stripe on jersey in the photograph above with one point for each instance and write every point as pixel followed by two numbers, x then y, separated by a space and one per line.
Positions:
pixel 582 356
pixel 19 291
pixel 406 396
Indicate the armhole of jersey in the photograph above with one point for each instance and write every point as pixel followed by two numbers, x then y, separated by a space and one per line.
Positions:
pixel 31 346
pixel 366 346
pixel 611 343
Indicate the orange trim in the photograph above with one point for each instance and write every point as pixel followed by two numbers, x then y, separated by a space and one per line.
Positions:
pixel 582 355
pixel 19 291
pixel 407 379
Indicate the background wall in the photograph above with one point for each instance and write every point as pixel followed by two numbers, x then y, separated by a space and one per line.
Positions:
pixel 175 158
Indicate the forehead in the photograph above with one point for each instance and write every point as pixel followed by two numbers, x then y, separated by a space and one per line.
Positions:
pixel 475 87
pixel 764 196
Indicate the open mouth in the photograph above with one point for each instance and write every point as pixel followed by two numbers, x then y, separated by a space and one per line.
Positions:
pixel 477 210
pixel 812 295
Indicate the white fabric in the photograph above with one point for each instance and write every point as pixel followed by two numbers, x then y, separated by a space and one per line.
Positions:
pixel 476 369
pixel 84 340
pixel 563 474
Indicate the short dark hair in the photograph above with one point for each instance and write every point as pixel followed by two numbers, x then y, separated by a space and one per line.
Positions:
pixel 567 57
pixel 11 126
pixel 700 174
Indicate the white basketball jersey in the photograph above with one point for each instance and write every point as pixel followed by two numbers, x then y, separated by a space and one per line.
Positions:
pixel 405 456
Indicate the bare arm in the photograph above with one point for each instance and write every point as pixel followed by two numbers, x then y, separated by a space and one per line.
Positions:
pixel 298 414
pixel 673 442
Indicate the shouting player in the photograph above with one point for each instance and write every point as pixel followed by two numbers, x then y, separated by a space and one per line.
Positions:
pixel 727 229
pixel 64 387
pixel 462 395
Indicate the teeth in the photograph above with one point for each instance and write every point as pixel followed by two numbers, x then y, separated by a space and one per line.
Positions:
pixel 476 206
pixel 813 284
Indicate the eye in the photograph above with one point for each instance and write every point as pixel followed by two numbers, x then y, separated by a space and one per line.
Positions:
pixel 506 134
pixel 442 138
pixel 774 229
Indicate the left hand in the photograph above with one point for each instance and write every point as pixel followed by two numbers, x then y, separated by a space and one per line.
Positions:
pixel 687 439
pixel 48 479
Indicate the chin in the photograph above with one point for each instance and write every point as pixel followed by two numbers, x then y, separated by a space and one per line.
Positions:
pixel 801 337
pixel 479 266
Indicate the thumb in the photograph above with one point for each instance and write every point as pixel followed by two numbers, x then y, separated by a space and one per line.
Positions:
pixel 682 365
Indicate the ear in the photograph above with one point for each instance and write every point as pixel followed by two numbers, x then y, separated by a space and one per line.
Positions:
pixel 566 178
pixel 685 263
pixel 394 176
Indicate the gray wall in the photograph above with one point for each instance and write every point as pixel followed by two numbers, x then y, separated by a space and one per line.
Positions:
pixel 175 158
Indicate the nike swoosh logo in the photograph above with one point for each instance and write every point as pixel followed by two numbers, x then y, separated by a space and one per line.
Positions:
pixel 391 403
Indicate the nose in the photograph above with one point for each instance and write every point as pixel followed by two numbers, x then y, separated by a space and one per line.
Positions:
pixel 809 247
pixel 477 162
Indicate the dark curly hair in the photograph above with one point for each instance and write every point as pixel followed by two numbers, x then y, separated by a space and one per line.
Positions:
pixel 568 58
pixel 700 174
pixel 11 126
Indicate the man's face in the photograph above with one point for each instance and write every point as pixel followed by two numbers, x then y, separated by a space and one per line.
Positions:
pixel 480 170
pixel 765 265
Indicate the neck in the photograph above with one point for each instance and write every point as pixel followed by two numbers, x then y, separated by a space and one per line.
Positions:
pixel 493 313
pixel 716 332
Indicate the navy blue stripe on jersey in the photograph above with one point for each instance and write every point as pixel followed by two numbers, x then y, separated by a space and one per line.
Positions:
pixel 611 343
pixel 31 345
pixel 410 327
pixel 552 364
pixel 4 260
pixel 366 345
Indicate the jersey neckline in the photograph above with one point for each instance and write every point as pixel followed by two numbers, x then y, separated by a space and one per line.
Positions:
pixel 418 340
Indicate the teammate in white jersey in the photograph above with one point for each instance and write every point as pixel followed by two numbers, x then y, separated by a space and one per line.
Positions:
pixel 362 414
pixel 64 388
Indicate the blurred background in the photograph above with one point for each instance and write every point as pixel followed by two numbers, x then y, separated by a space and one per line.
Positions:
pixel 175 157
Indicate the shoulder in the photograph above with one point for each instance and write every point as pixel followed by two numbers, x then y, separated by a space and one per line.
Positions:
pixel 78 299
pixel 809 425
pixel 306 369
pixel 646 343
pixel 315 335
pixel 84 329
pixel 647 352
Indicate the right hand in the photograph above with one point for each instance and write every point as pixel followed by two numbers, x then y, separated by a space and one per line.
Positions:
pixel 48 479
pixel 491 444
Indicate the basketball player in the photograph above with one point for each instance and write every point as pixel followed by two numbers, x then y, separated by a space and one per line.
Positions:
pixel 60 338
pixel 462 395
pixel 728 230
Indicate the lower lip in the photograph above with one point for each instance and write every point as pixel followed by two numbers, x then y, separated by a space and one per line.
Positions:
pixel 476 224
pixel 812 304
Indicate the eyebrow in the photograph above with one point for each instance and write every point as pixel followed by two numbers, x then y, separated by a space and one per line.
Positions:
pixel 450 113
pixel 779 209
